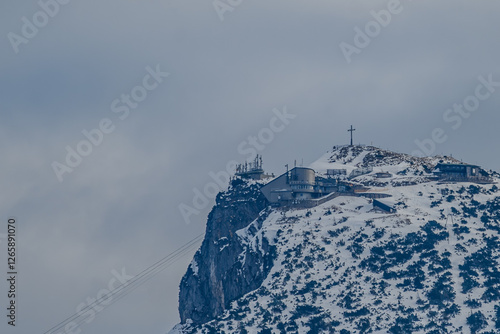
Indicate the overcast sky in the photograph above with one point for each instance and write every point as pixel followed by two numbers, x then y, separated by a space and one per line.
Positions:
pixel 119 208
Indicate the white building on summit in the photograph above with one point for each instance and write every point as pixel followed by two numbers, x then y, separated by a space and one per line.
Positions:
pixel 298 184
pixel 461 173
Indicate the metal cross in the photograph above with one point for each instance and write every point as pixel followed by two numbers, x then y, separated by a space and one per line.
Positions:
pixel 351 130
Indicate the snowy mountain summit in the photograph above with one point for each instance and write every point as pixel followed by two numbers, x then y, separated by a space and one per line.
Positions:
pixel 363 241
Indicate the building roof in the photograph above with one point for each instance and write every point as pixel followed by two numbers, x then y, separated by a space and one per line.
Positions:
pixel 455 165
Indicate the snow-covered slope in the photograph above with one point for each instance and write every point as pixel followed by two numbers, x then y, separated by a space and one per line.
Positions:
pixel 343 267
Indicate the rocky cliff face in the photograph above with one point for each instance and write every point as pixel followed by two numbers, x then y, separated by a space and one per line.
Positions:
pixel 345 267
pixel 218 275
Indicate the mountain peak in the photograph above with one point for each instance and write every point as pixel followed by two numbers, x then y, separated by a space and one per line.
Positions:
pixel 427 262
pixel 371 156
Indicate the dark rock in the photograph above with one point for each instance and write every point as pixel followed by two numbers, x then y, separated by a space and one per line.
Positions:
pixel 219 275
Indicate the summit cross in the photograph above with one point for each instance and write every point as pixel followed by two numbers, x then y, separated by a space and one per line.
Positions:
pixel 351 130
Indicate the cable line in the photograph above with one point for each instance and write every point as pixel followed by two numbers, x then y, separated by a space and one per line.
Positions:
pixel 132 284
